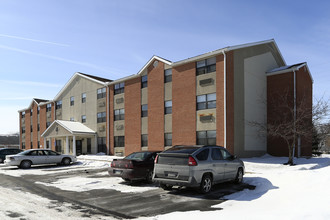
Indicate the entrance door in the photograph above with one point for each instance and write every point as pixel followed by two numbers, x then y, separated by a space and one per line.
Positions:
pixel 78 147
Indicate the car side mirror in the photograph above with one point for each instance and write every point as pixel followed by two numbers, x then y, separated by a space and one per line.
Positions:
pixel 233 157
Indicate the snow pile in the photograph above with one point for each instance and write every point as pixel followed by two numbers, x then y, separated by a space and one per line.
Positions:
pixel 282 192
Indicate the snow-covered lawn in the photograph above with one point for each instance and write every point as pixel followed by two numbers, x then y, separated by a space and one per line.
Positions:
pixel 282 192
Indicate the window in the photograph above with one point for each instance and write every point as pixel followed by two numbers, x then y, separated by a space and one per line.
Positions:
pixel 205 66
pixel 203 155
pixel 83 118
pixel 58 146
pixel 144 140
pixel 59 104
pixel 71 100
pixel 101 145
pixel 101 93
pixel 31 145
pixel 23 130
pixel 168 107
pixel 225 154
pixel 144 110
pixel 23 145
pixel 168 75
pixel 49 108
pixel 206 137
pixel 38 127
pixel 101 117
pixel 47 124
pixel 31 128
pixel 144 81
pixel 216 154
pixel 31 111
pixel 72 119
pixel 38 110
pixel 168 139
pixel 119 114
pixel 119 88
pixel 206 101
pixel 83 97
pixel 38 144
pixel 119 141
pixel 23 114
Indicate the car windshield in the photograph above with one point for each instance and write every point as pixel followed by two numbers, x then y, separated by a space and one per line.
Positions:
pixel 138 156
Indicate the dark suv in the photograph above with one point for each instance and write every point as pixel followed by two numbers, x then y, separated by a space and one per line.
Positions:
pixel 196 166
pixel 8 151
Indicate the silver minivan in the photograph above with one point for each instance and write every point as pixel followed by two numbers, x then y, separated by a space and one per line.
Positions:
pixel 196 166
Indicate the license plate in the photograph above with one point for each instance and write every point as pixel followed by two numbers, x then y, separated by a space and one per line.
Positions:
pixel 171 175
pixel 117 171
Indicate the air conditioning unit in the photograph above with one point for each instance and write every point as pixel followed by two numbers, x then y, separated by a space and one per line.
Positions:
pixel 206 82
pixel 119 127
pixel 102 104
pixel 101 129
pixel 119 100
pixel 206 118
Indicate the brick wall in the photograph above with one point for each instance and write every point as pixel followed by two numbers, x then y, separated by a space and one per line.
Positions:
pixel 132 115
pixel 184 104
pixel 156 107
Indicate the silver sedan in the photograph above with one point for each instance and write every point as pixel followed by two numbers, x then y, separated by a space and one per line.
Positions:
pixel 38 156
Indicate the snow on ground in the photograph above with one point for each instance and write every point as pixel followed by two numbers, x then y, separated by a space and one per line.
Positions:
pixel 80 184
pixel 282 192
pixel 15 204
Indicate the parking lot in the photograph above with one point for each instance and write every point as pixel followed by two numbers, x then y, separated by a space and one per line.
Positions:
pixel 92 192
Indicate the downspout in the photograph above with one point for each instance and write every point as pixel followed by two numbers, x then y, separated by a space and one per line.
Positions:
pixel 294 111
pixel 224 101
pixel 108 120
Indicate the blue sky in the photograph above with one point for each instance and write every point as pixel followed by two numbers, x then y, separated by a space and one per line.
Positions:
pixel 43 43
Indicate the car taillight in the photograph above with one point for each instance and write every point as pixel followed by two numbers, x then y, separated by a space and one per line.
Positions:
pixel 113 164
pixel 129 166
pixel 156 159
pixel 192 161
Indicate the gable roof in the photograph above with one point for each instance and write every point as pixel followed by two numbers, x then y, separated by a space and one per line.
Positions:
pixel 99 80
pixel 289 68
pixel 73 127
pixel 230 48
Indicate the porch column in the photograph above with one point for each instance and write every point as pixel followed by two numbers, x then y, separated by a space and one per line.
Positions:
pixel 95 142
pixel 45 143
pixel 50 143
pixel 67 149
pixel 74 152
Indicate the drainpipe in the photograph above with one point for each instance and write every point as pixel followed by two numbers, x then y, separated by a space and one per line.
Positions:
pixel 294 110
pixel 225 101
pixel 108 119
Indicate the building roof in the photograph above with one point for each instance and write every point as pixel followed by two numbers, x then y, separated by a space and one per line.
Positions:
pixel 74 127
pixel 230 48
pixel 38 101
pixel 96 77
pixel 289 68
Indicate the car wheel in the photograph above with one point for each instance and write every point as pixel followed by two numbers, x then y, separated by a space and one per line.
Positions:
pixel 206 184
pixel 25 164
pixel 239 176
pixel 66 161
pixel 149 177
pixel 166 186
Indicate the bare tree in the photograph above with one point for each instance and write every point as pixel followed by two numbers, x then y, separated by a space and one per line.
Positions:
pixel 290 119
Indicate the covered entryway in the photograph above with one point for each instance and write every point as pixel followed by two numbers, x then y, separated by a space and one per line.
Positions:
pixel 76 137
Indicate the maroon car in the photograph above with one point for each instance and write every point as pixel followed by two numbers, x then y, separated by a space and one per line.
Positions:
pixel 136 166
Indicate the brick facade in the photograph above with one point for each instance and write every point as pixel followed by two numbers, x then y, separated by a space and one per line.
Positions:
pixel 184 104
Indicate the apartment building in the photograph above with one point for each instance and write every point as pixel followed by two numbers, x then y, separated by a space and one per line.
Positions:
pixel 206 99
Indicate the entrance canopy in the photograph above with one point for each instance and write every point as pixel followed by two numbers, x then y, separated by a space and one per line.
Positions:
pixel 60 128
